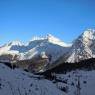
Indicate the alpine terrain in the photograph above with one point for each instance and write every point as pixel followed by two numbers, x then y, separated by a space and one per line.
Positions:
pixel 49 66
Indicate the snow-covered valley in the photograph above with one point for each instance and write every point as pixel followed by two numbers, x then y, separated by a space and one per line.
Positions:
pixel 18 82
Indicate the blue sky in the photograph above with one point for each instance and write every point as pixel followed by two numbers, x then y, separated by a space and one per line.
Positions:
pixel 66 19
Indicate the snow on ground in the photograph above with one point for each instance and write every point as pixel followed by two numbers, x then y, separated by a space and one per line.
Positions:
pixel 17 82
pixel 77 82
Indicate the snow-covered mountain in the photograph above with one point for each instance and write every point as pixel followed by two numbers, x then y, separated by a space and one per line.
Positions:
pixel 49 44
pixel 83 47
pixel 7 48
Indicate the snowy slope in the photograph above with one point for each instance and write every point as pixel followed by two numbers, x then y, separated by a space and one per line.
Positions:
pixel 17 82
pixel 83 47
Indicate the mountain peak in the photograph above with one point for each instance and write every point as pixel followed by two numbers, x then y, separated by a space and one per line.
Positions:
pixel 89 33
pixel 48 36
pixel 13 43
pixel 57 41
pixel 51 39
pixel 83 47
pixel 86 38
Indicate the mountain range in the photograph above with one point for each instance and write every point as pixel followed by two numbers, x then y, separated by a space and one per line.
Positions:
pixel 49 44
pixel 82 48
